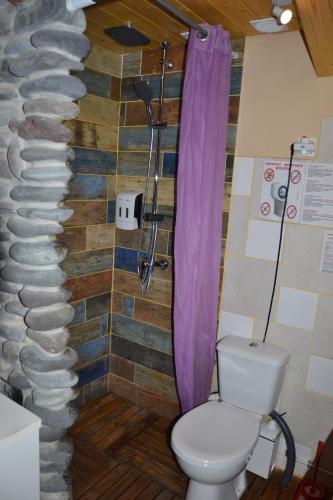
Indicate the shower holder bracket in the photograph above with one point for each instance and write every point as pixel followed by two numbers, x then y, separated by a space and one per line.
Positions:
pixel 148 217
pixel 158 126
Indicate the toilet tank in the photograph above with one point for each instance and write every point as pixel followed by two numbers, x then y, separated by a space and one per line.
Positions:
pixel 251 373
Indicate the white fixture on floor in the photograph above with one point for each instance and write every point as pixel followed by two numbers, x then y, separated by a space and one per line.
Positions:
pixel 214 442
pixel 19 452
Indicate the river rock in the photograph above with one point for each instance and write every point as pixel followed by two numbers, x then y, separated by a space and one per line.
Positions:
pixel 54 397
pixel 28 228
pixel 54 84
pixel 11 351
pixel 40 154
pixel 49 434
pixel 53 482
pixel 17 46
pixel 15 307
pixel 52 380
pixel 42 60
pixel 39 127
pixel 38 194
pixel 27 276
pixel 61 418
pixel 35 358
pixel 14 329
pixel 18 379
pixel 50 317
pixel 43 174
pixel 7 94
pixel 66 109
pixel 32 297
pixel 75 43
pixel 42 253
pixel 54 214
pixel 6 114
pixel 6 19
pixel 52 341
pixel 15 161
pixel 5 75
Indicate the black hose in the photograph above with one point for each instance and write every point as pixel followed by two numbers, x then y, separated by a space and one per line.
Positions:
pixel 291 451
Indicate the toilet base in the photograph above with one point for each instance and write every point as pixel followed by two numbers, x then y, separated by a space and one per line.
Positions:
pixel 230 490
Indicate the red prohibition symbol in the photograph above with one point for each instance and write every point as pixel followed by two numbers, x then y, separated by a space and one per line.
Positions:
pixel 295 176
pixel 269 174
pixel 291 212
pixel 265 208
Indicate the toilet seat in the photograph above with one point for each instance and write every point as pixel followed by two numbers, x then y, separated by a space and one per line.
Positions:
pixel 215 434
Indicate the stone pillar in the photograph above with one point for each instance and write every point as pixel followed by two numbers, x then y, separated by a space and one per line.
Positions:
pixel 40 43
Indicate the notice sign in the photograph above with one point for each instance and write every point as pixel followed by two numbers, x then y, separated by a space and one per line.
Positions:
pixel 274 190
pixel 326 262
pixel 317 207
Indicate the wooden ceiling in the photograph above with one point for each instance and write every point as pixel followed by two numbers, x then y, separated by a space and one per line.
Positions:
pixel 314 16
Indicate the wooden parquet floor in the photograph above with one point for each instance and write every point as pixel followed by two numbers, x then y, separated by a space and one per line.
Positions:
pixel 122 452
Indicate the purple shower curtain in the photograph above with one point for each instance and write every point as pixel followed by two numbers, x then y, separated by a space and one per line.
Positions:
pixel 200 190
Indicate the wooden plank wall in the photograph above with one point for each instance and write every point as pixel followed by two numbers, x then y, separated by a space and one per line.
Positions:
pixel 89 234
pixel 141 363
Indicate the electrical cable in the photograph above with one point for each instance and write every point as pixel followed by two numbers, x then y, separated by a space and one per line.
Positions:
pixel 280 241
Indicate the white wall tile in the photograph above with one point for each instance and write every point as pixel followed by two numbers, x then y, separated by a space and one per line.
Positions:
pixel 263 239
pixel 235 324
pixel 326 144
pixel 297 308
pixel 237 228
pixel 242 176
pixel 320 375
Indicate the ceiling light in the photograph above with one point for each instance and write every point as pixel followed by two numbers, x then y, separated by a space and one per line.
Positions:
pixel 284 16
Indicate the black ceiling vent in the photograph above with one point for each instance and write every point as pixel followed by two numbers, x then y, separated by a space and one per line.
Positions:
pixel 127 36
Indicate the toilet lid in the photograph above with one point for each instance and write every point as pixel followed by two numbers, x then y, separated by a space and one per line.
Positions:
pixel 215 433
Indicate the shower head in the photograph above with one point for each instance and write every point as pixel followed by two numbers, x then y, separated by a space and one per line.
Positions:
pixel 127 36
pixel 144 92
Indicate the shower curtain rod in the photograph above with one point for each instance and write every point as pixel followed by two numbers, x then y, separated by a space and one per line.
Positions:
pixel 201 32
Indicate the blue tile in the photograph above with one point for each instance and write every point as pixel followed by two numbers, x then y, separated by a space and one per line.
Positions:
pixel 96 83
pixel 79 312
pixel 173 85
pixel 93 350
pixel 142 333
pixel 137 138
pixel 125 259
pixel 88 187
pixel 93 371
pixel 98 305
pixel 231 138
pixel 128 306
pixel 170 163
pixel 236 80
pixel 111 211
pixel 104 324
pixel 94 161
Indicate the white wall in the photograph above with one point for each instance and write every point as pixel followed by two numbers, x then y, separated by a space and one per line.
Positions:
pixel 281 100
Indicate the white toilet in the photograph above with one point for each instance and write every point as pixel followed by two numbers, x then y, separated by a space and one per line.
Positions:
pixel 214 442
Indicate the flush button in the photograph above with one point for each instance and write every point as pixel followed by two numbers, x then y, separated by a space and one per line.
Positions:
pixel 253 344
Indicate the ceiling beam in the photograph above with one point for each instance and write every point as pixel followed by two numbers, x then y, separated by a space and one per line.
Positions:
pixel 317 22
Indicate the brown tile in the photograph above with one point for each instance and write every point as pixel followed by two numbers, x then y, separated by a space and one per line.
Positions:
pixel 74 238
pixel 88 286
pixel 101 236
pixel 153 314
pixel 84 332
pixel 121 367
pixel 94 109
pixel 166 190
pixel 154 381
pixel 115 88
pixel 233 109
pixel 129 239
pixel 92 135
pixel 157 403
pixel 151 60
pixel 136 112
pixel 159 292
pixel 87 213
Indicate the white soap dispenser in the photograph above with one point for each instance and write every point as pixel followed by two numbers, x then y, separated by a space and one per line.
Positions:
pixel 128 209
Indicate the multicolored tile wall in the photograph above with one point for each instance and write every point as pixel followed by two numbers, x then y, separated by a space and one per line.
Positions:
pixel 90 233
pixel 141 362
